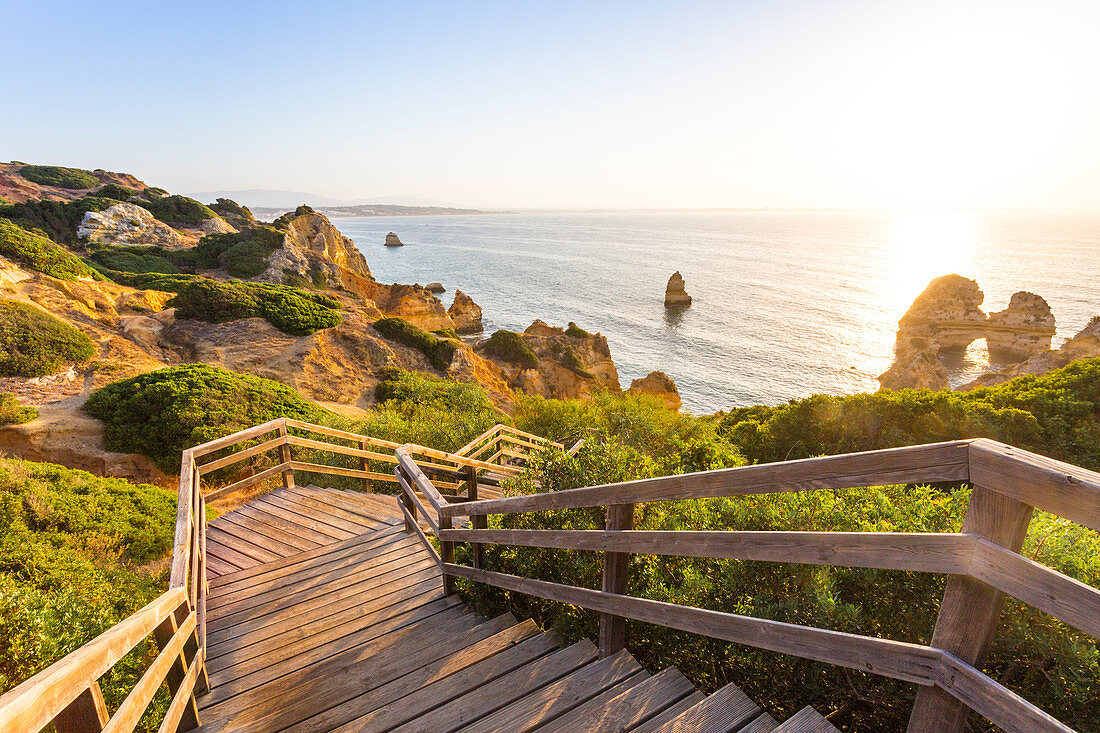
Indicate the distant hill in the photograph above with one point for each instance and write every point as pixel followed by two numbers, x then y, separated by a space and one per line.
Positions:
pixel 265 198
pixel 270 213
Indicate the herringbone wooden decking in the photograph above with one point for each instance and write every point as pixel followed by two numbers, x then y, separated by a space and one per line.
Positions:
pixel 323 615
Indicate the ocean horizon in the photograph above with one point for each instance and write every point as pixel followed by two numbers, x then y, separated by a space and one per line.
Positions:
pixel 785 303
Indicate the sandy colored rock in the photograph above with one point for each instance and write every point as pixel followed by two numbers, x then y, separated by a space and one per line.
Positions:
pixel 127 224
pixel 311 245
pixel 1084 345
pixel 659 385
pixel 393 241
pixel 675 295
pixel 465 313
pixel 1023 329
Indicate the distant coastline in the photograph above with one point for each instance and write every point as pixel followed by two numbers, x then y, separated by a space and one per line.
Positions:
pixel 269 213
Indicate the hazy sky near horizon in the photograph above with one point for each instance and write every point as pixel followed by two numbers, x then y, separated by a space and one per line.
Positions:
pixel 781 103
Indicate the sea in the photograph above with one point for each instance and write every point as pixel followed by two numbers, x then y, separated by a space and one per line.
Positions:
pixel 785 304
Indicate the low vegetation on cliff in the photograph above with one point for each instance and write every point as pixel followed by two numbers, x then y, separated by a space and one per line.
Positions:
pixel 288 309
pixel 55 175
pixel 139 259
pixel 179 210
pixel 34 343
pixel 511 347
pixel 243 254
pixel 13 413
pixel 59 220
pixel 37 252
pixel 440 351
pixel 165 411
pixel 77 553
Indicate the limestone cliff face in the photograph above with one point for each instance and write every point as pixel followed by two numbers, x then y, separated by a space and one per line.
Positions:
pixel 128 224
pixel 415 303
pixel 312 244
pixel 1085 345
pixel 947 315
pixel 659 385
pixel 675 294
pixel 465 313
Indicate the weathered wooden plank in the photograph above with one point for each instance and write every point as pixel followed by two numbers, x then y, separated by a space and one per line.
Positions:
pixel 181 545
pixel 413 473
pixel 227 554
pixel 32 704
pixel 970 608
pixel 413 448
pixel 547 703
pixel 181 699
pixel 232 458
pixel 334 433
pixel 238 437
pixel 763 723
pixel 424 540
pixel 216 568
pixel 329 508
pixel 914 464
pixel 250 481
pixel 241 544
pixel 727 710
pixel 806 720
pixel 616 574
pixel 276 540
pixel 491 432
pixel 1065 598
pixel 1004 708
pixel 625 705
pixel 669 713
pixel 339 471
pixel 341 449
pixel 412 504
pixel 311 517
pixel 910 662
pixel 301 521
pixel 925 552
pixel 530 436
pixel 177 673
pixel 1053 486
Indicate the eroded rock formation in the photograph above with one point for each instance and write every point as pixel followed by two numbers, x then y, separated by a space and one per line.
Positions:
pixel 128 224
pixel 569 366
pixel 947 316
pixel 312 244
pixel 465 313
pixel 1085 345
pixel 675 295
pixel 393 241
pixel 659 385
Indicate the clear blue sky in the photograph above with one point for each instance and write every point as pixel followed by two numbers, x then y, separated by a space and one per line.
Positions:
pixel 569 104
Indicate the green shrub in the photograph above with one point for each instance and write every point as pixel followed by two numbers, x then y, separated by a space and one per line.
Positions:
pixel 58 220
pixel 153 192
pixel 230 208
pixel 511 347
pixel 572 362
pixel 1057 414
pixel 290 310
pixel 53 175
pixel 13 413
pixel 141 259
pixel 71 550
pixel 33 343
pixel 153 280
pixel 440 352
pixel 36 251
pixel 243 254
pixel 449 333
pixel 576 331
pixel 179 210
pixel 163 412
pixel 117 192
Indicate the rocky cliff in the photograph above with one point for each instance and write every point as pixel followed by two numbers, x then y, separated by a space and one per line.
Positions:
pixel 465 313
pixel 1085 345
pixel 128 224
pixel 659 385
pixel 947 316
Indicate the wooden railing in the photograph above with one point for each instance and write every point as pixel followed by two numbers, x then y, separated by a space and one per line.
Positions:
pixel 982 561
pixel 67 693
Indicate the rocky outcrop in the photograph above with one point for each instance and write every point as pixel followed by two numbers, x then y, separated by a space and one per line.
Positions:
pixel 393 241
pixel 465 313
pixel 435 288
pixel 1023 329
pixel 675 295
pixel 1085 345
pixel 313 245
pixel 947 316
pixel 16 189
pixel 659 385
pixel 128 224
pixel 415 304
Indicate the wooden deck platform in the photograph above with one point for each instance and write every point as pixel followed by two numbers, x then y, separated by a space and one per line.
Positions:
pixel 324 615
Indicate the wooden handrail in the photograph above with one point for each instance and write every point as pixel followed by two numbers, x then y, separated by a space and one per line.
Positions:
pixel 984 554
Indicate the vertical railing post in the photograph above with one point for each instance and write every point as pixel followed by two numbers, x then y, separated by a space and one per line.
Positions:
pixel 364 465
pixel 178 670
pixel 970 609
pixel 86 714
pixel 284 454
pixel 447 555
pixel 615 575
pixel 406 488
pixel 478 521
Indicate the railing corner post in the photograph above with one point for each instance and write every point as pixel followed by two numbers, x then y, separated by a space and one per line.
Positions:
pixel 284 454
pixel 477 521
pixel 616 567
pixel 447 555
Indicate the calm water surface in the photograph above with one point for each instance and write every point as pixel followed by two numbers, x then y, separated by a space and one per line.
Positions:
pixel 785 304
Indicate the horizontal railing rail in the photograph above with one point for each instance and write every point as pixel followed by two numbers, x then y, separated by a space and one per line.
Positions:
pixel 67 693
pixel 982 561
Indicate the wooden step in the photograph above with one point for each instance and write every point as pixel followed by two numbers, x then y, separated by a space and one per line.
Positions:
pixel 806 720
pixel 627 704
pixel 726 711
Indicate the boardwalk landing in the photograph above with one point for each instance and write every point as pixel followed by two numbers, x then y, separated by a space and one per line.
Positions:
pixel 324 615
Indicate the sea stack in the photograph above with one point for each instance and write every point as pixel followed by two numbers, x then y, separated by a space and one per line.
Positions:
pixel 436 288
pixel 393 241
pixel 675 295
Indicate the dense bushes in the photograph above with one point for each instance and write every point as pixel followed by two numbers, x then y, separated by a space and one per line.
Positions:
pixel 71 550
pixel 1046 662
pixel 34 250
pixel 511 347
pixel 1057 414
pixel 116 192
pixel 439 351
pixel 54 175
pixel 230 208
pixel 162 412
pixel 59 220
pixel 140 259
pixel 34 343
pixel 243 254
pixel 177 209
pixel 576 331
pixel 290 310
pixel 13 413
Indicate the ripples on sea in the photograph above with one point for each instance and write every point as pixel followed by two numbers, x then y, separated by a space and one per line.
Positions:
pixel 785 304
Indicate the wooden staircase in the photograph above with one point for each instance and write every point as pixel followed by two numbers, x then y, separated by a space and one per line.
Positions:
pixel 324 615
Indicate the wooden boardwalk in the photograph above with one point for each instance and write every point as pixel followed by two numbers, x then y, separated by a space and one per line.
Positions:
pixel 323 615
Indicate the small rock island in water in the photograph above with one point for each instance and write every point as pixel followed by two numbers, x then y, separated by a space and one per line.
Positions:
pixel 675 295
pixel 393 241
